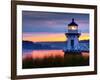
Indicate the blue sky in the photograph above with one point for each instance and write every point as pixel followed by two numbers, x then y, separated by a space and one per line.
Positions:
pixel 52 22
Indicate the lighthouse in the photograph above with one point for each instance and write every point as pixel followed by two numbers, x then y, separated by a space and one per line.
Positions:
pixel 72 38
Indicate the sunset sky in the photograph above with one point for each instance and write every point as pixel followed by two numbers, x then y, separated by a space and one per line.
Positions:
pixel 51 26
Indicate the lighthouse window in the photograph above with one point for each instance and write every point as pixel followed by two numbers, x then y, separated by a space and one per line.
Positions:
pixel 72 43
pixel 72 28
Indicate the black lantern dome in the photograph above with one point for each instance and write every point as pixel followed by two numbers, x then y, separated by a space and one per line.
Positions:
pixel 72 23
pixel 72 26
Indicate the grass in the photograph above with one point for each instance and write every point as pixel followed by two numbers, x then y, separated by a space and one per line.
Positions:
pixel 67 60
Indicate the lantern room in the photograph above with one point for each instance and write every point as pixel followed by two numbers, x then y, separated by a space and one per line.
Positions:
pixel 72 27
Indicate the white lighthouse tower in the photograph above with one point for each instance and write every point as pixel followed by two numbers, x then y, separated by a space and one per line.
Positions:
pixel 72 37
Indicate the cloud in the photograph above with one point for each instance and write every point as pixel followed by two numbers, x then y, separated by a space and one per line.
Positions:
pixel 50 37
pixel 35 21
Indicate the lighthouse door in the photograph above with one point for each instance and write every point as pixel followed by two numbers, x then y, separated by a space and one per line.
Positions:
pixel 72 44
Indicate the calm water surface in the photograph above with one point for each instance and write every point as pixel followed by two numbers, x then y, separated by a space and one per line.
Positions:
pixel 45 53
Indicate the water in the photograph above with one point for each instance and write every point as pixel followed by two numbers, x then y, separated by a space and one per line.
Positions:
pixel 46 53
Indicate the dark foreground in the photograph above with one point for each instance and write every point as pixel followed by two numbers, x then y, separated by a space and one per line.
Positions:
pixel 68 60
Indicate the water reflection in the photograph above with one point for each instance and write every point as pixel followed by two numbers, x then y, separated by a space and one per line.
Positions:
pixel 40 54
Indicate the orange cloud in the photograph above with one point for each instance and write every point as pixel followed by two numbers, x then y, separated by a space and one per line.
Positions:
pixel 52 37
pixel 84 36
pixel 46 37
